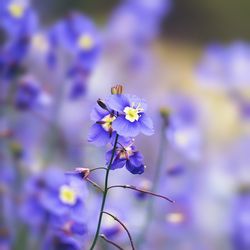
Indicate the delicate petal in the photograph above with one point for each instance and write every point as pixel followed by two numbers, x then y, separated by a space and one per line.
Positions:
pixel 136 159
pixel 146 123
pixel 134 169
pixel 117 163
pixel 136 101
pixel 98 113
pixel 126 128
pixel 98 135
pixel 118 102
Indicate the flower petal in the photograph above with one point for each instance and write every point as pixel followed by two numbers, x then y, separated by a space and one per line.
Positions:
pixel 98 113
pixel 98 135
pixel 135 169
pixel 146 123
pixel 118 102
pixel 126 128
pixel 117 163
pixel 136 159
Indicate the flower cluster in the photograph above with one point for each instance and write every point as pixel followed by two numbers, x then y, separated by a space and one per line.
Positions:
pixel 125 116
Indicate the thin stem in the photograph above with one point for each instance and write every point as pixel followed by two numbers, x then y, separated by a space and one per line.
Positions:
pixel 156 177
pixel 142 191
pixel 104 194
pixel 123 225
pixel 94 184
pixel 94 169
pixel 110 241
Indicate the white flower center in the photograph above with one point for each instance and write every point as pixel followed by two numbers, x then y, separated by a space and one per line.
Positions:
pixel 67 195
pixel 85 42
pixel 132 113
pixel 16 10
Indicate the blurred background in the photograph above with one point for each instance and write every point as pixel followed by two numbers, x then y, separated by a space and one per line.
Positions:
pixel 190 60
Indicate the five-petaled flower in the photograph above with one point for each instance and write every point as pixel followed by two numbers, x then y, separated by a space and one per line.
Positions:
pixel 127 156
pixel 131 119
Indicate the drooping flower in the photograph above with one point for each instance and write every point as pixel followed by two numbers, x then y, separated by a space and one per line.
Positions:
pixel 131 119
pixel 127 156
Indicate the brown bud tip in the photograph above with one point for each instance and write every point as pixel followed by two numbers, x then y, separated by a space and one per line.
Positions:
pixel 165 112
pixel 117 90
pixel 102 104
pixel 83 171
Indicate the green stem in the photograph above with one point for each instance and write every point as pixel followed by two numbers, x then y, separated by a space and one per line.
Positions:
pixel 104 195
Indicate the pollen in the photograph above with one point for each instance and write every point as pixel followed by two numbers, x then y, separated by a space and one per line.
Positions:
pixel 132 113
pixel 85 42
pixel 16 10
pixel 67 195
pixel 107 122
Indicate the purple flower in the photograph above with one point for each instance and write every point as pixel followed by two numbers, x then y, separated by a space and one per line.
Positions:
pixel 131 118
pixel 18 19
pixel 102 131
pixel 127 156
pixel 78 35
pixel 57 199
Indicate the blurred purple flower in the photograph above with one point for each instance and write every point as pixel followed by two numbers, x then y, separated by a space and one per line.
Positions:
pixel 226 65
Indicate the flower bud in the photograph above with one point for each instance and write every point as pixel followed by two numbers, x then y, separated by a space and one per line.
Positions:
pixel 84 172
pixel 102 104
pixel 117 90
pixel 165 113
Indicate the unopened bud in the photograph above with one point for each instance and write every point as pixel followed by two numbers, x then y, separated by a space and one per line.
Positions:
pixel 84 172
pixel 117 90
pixel 165 112
pixel 102 104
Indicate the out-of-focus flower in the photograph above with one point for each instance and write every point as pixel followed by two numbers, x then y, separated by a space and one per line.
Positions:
pixel 59 241
pixel 18 19
pixel 125 23
pixel 226 65
pixel 29 94
pixel 78 35
pixel 129 157
pixel 241 220
pixel 57 199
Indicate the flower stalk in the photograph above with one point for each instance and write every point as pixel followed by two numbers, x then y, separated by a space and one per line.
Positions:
pixel 104 195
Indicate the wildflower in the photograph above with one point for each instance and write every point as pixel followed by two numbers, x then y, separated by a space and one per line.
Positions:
pixel 19 20
pixel 78 35
pixel 102 131
pixel 127 156
pixel 131 119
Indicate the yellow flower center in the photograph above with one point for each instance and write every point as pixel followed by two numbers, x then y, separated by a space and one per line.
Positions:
pixel 132 114
pixel 16 10
pixel 108 119
pixel 85 42
pixel 125 153
pixel 40 43
pixel 67 195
